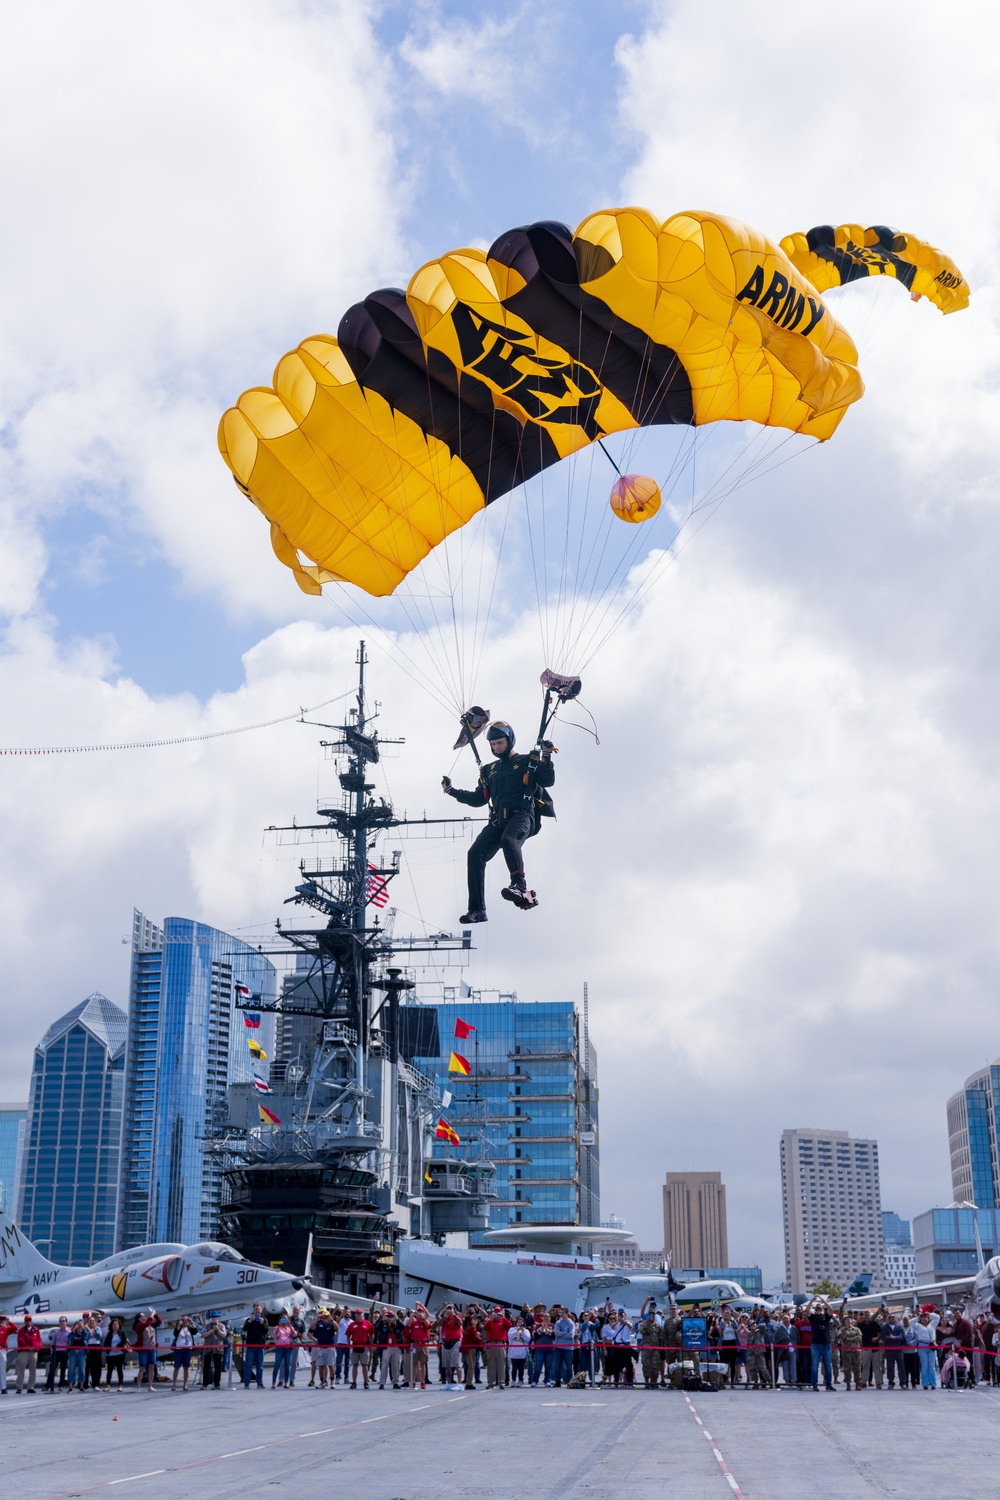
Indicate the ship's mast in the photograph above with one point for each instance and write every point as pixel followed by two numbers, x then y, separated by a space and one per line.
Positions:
pixel 335 1081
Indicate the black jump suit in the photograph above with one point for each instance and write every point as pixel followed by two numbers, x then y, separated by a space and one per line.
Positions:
pixel 510 784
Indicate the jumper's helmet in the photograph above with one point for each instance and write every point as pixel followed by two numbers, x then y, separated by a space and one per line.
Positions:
pixel 498 730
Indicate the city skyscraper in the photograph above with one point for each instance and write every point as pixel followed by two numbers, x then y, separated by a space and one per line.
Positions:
pixel 13 1119
pixel 186 1045
pixel 70 1174
pixel 899 1258
pixel 694 1219
pixel 896 1231
pixel 531 1094
pixel 832 1208
pixel 972 1139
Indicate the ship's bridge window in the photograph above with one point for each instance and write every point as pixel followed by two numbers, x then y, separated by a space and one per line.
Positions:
pixel 212 1250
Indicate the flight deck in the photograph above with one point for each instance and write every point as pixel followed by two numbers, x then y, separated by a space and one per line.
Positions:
pixel 420 1445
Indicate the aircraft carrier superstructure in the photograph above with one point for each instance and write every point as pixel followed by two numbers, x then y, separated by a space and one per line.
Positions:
pixel 348 1166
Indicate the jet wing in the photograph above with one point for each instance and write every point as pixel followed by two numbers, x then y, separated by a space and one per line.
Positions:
pixel 928 1291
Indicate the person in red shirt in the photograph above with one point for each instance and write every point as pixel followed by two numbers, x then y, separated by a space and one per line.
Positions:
pixel 495 1329
pixel 419 1329
pixel 472 1341
pixel 450 1335
pixel 29 1341
pixel 359 1336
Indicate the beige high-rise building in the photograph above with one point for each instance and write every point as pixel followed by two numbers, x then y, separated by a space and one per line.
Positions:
pixel 694 1219
pixel 832 1208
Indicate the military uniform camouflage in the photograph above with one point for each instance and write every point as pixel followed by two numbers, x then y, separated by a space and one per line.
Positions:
pixel 651 1334
pixel 672 1339
pixel 850 1358
pixel 758 1357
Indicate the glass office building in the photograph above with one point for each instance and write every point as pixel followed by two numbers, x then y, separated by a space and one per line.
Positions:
pixel 530 1098
pixel 896 1231
pixel 13 1118
pixel 972 1139
pixel 74 1127
pixel 944 1241
pixel 186 1044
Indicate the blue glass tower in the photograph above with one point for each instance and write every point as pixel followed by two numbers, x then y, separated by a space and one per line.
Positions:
pixel 13 1118
pixel 531 1092
pixel 972 1139
pixel 186 1045
pixel 74 1125
pixel 896 1231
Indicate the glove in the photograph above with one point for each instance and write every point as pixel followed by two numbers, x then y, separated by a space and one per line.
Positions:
pixel 446 784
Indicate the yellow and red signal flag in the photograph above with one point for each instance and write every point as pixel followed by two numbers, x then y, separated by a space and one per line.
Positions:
pixel 267 1116
pixel 444 1132
pixel 459 1064
pixel 463 1029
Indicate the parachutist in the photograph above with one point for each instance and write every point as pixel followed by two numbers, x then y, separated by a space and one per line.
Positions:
pixel 514 786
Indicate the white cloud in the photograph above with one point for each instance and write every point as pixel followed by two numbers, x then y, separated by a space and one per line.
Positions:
pixel 186 189
pixel 468 58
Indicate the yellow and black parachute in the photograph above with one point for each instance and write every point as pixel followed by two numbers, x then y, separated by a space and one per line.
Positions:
pixel 835 256
pixel 372 447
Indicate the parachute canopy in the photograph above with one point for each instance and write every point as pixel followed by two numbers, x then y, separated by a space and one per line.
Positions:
pixel 835 256
pixel 372 447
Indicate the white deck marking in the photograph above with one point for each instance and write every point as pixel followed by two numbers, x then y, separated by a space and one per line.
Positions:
pixel 727 1472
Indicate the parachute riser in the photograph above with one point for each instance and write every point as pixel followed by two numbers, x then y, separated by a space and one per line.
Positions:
pixel 548 714
pixel 472 740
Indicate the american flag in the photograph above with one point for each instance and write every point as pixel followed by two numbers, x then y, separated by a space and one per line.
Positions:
pixel 377 888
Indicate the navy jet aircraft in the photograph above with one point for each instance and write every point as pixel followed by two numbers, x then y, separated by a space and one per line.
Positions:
pixel 175 1278
pixel 978 1292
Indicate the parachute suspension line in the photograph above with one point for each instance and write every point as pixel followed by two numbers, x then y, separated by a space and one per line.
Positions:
pixel 401 596
pixel 534 567
pixel 559 645
pixel 390 645
pixel 607 455
pixel 687 454
pixel 457 674
pixel 608 595
pixel 669 558
pixel 706 508
pixel 590 621
pixel 349 614
pixel 708 504
pixel 479 640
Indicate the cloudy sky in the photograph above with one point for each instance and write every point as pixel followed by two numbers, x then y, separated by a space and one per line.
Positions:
pixel 778 871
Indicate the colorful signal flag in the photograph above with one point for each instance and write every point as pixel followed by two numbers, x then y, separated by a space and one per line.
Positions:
pixel 377 888
pixel 261 1084
pixel 427 1175
pixel 444 1132
pixel 251 1019
pixel 446 1098
pixel 459 1064
pixel 242 989
pixel 267 1116
pixel 463 1030
pixel 256 1049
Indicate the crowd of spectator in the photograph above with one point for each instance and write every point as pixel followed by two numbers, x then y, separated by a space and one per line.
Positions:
pixel 475 1346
